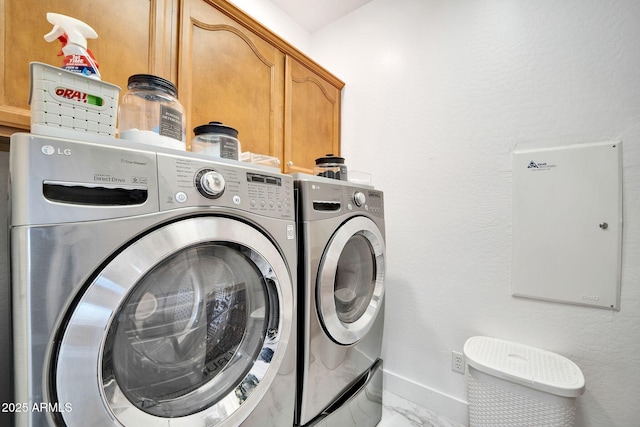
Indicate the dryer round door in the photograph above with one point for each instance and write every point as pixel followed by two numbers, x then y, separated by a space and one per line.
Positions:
pixel 350 287
pixel 187 326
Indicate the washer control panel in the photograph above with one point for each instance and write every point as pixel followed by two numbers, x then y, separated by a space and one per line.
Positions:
pixel 186 181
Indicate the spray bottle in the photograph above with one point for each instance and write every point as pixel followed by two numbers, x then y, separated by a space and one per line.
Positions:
pixel 73 35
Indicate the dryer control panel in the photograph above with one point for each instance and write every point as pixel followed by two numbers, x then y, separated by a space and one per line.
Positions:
pixel 323 198
pixel 189 181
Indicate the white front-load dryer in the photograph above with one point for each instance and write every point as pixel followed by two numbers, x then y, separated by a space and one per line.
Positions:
pixel 341 302
pixel 150 288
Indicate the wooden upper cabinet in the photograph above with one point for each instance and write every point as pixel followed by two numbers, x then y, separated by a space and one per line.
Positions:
pixel 227 66
pixel 132 36
pixel 228 73
pixel 312 117
pixel 234 70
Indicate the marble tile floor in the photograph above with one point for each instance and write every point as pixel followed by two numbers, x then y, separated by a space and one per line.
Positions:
pixel 398 412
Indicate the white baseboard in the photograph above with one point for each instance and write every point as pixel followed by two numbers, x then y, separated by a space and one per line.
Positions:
pixel 432 400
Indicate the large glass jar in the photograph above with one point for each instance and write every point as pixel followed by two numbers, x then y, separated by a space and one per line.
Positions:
pixel 150 112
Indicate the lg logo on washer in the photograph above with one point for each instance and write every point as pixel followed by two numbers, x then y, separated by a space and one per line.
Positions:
pixel 50 151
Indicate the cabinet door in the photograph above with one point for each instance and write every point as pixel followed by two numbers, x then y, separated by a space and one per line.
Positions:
pixel 130 41
pixel 228 73
pixel 312 118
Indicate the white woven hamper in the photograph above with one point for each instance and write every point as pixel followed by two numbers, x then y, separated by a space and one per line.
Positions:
pixel 513 385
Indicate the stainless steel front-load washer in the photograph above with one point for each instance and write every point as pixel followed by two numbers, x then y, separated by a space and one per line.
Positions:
pixel 150 287
pixel 341 305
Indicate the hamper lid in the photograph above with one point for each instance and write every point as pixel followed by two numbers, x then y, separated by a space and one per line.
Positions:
pixel 532 367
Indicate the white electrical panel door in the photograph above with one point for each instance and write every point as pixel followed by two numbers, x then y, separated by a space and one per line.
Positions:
pixel 567 224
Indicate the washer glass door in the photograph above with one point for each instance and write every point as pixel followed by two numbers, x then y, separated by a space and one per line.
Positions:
pixel 197 321
pixel 350 285
pixel 193 318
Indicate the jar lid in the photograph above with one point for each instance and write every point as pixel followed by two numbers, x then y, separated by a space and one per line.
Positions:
pixel 215 127
pixel 329 158
pixel 152 81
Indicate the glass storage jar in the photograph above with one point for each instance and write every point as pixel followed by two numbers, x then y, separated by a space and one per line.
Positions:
pixel 216 139
pixel 331 166
pixel 151 113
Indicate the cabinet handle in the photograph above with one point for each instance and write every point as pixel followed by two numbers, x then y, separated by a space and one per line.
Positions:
pixel 289 163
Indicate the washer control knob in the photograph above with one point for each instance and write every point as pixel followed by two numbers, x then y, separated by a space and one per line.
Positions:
pixel 359 198
pixel 210 183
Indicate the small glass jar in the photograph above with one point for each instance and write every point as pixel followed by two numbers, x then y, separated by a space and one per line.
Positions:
pixel 217 140
pixel 331 166
pixel 151 113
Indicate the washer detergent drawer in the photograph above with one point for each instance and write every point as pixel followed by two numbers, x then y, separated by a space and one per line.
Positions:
pixel 58 181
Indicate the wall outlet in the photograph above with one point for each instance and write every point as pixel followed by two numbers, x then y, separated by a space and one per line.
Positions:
pixel 457 362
